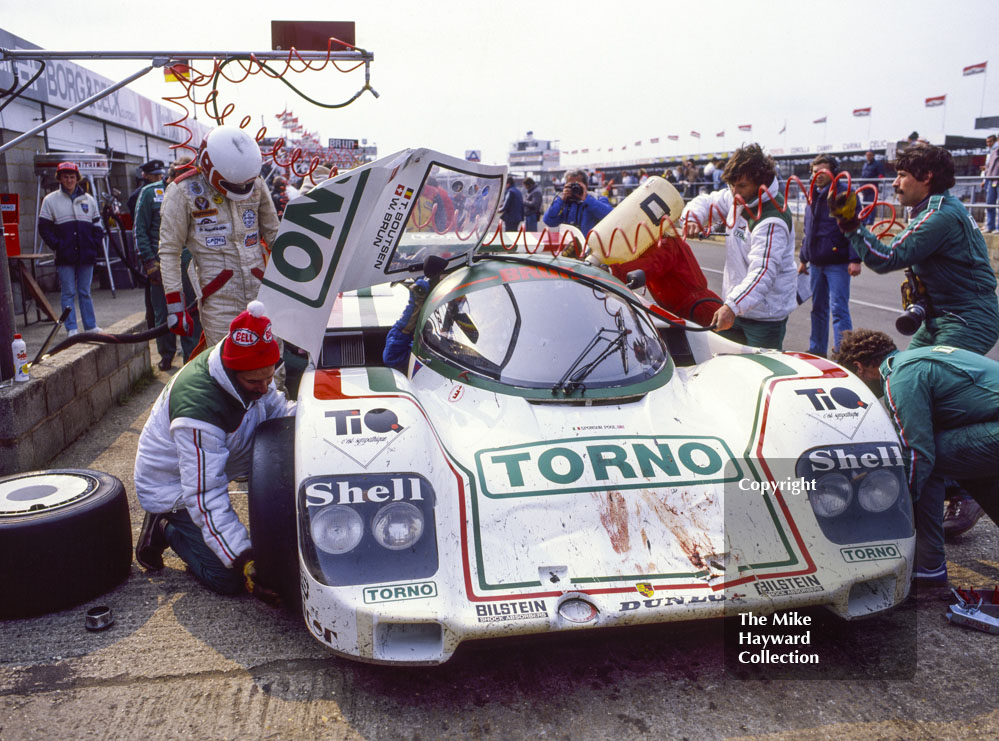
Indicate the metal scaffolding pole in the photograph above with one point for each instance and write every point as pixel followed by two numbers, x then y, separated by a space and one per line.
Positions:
pixel 75 109
pixel 160 59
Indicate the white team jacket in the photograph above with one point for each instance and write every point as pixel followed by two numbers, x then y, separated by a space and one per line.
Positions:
pixel 185 462
pixel 761 272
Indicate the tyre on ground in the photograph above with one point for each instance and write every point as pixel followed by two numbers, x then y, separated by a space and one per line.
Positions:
pixel 65 538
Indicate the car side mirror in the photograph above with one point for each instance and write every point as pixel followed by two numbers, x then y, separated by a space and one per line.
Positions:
pixel 635 279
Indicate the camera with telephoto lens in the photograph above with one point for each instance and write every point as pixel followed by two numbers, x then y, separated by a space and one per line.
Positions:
pixel 910 320
pixel 575 191
pixel 915 303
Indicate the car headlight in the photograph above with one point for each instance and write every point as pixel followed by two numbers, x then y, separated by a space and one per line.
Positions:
pixel 397 526
pixel 337 529
pixel 832 495
pixel 878 491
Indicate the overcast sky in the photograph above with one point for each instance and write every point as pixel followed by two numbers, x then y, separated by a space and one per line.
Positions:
pixel 477 75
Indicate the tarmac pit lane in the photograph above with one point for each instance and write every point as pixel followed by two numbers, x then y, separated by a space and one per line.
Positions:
pixel 182 662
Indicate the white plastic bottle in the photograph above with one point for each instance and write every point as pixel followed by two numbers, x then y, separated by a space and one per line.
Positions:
pixel 20 351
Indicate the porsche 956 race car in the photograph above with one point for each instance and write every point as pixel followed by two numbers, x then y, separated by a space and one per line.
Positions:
pixel 556 455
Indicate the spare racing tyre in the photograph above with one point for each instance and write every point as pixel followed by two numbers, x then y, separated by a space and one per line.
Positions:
pixel 65 537
pixel 272 509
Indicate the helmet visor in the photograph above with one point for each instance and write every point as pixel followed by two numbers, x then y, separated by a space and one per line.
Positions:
pixel 239 189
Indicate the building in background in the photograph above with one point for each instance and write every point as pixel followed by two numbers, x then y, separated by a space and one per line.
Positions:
pixel 123 129
pixel 530 156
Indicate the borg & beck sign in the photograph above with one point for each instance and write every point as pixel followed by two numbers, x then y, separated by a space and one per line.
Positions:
pixel 591 464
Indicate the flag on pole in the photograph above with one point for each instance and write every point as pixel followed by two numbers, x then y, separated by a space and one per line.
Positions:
pixel 746 127
pixel 818 120
pixel 654 140
pixel 177 71
pixel 938 100
pixel 720 133
pixel 974 69
pixel 696 134
pixel 862 111
pixel 673 137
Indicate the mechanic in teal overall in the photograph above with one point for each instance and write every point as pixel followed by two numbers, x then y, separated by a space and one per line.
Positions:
pixel 944 402
pixel 943 247
pixel 146 230
pixel 399 341
pixel 198 438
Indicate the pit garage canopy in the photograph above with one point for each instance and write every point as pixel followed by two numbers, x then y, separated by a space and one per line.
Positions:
pixel 371 225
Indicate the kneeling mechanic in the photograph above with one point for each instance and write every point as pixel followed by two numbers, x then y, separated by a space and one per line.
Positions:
pixel 197 439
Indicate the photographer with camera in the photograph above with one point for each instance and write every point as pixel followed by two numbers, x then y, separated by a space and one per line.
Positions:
pixel 951 298
pixel 576 206
pixel 944 402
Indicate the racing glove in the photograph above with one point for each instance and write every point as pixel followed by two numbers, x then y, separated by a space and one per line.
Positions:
pixel 178 320
pixel 152 268
pixel 246 565
pixel 845 206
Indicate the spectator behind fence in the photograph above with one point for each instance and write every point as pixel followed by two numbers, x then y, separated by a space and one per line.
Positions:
pixel 717 183
pixel 990 182
pixel 512 209
pixel 955 283
pixel 532 205
pixel 873 169
pixel 690 177
pixel 833 261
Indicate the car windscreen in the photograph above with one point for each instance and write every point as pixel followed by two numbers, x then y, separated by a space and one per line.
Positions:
pixel 560 334
pixel 450 215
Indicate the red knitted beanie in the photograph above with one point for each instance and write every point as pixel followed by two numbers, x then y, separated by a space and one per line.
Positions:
pixel 250 344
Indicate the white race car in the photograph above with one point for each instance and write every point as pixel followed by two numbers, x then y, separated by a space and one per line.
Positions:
pixel 555 455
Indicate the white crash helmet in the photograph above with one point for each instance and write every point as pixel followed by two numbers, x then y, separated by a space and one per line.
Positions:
pixel 230 160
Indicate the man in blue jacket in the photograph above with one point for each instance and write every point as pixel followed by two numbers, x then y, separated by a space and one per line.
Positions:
pixel 873 169
pixel 944 402
pixel 70 224
pixel 576 206
pixel 833 261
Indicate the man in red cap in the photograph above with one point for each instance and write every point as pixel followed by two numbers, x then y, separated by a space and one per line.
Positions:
pixel 197 438
pixel 70 224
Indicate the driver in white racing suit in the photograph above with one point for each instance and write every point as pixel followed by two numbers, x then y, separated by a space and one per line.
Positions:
pixel 222 212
